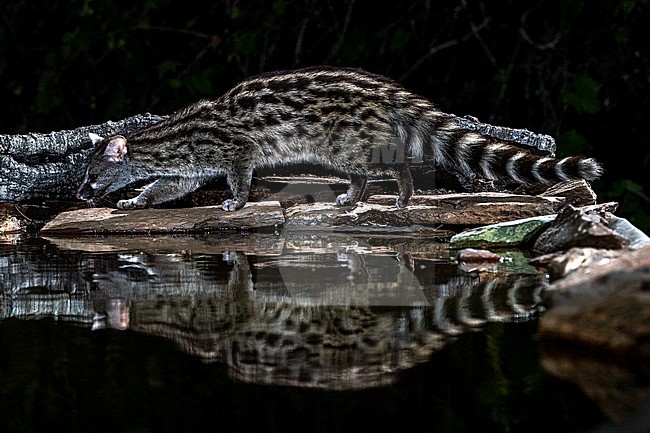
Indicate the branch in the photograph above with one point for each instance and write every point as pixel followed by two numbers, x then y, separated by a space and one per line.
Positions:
pixel 541 142
pixel 51 166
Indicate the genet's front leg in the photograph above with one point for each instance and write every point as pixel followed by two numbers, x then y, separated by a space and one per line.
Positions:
pixel 162 190
pixel 355 191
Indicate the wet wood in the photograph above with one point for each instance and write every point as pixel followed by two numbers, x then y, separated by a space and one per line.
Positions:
pixel 575 192
pixel 152 221
pixel 462 209
pixel 423 216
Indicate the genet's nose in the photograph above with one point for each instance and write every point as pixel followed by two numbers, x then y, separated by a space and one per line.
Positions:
pixel 84 193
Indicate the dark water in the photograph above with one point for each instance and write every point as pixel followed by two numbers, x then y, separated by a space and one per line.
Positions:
pixel 272 333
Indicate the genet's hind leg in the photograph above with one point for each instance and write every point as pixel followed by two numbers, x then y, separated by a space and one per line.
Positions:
pixel 405 185
pixel 239 180
pixel 355 191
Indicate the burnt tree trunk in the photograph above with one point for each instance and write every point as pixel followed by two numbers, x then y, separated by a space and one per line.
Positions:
pixel 51 166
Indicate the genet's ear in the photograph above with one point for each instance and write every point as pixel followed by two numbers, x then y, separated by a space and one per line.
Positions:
pixel 96 139
pixel 116 148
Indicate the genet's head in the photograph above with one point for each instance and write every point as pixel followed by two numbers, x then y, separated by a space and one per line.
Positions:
pixel 108 168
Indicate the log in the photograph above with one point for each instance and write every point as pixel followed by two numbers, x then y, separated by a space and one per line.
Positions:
pixel 51 166
pixel 153 221
pixel 462 209
pixel 422 218
pixel 575 192
pixel 539 142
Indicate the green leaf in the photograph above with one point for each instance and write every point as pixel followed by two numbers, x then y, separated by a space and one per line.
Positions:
pixel 622 35
pixel 245 42
pixel 571 142
pixel 167 67
pixel 628 185
pixel 400 40
pixel 200 84
pixel 583 95
pixel 279 6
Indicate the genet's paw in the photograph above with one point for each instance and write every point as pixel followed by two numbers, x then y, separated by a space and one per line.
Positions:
pixel 344 200
pixel 401 202
pixel 231 205
pixel 132 203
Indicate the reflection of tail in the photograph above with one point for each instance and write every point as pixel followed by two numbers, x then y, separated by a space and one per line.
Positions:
pixel 469 302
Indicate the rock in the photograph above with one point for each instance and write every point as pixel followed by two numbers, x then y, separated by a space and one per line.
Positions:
pixel 11 220
pixel 623 227
pixel 582 278
pixel 471 255
pixel 510 233
pixel 621 392
pixel 601 316
pixel 470 259
pixel 610 315
pixel 576 227
pixel 574 192
pixel 561 264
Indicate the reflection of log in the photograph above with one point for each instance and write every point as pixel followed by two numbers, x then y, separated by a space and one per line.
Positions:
pixel 51 166
pixel 263 244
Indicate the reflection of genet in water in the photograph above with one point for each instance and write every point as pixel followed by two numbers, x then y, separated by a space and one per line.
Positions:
pixel 332 331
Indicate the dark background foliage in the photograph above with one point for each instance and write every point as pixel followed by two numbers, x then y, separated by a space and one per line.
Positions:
pixel 577 70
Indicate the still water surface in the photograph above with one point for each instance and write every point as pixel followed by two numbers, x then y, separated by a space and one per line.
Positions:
pixel 273 333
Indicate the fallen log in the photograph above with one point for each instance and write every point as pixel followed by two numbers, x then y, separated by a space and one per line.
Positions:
pixel 51 166
pixel 154 221
pixel 421 218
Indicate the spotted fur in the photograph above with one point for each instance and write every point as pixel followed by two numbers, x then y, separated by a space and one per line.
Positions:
pixel 345 119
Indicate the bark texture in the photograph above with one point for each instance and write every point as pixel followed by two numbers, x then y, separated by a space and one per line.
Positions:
pixel 51 166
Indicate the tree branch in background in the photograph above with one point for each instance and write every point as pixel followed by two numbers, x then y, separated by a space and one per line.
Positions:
pixel 541 142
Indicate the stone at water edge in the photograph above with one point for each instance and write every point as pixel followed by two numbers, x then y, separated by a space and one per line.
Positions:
pixel 511 233
pixel 11 221
pixel 623 227
pixel 578 227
